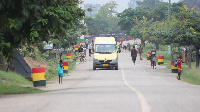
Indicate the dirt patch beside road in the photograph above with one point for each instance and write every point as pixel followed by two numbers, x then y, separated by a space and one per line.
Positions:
pixel 35 63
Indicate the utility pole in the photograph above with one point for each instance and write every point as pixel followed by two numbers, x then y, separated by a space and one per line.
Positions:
pixel 169 9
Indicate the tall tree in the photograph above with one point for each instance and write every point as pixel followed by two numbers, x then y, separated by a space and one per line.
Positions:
pixel 126 21
pixel 139 30
pixel 108 12
pixel 27 21
pixel 96 26
pixel 105 20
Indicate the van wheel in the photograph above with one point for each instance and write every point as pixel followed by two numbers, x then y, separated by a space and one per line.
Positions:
pixel 94 68
pixel 116 67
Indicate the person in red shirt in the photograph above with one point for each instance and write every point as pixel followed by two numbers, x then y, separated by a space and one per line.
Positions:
pixel 179 62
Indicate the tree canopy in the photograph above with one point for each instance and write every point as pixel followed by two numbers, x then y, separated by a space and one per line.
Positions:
pixel 27 21
pixel 155 26
pixel 105 21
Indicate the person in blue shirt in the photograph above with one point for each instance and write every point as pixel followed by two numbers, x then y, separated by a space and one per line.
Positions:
pixel 60 71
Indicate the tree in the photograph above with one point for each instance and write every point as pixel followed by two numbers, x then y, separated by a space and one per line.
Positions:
pixel 105 21
pixel 182 29
pixel 96 26
pixel 130 21
pixel 190 31
pixel 73 34
pixel 126 21
pixel 107 10
pixel 108 13
pixel 149 3
pixel 139 30
pixel 27 21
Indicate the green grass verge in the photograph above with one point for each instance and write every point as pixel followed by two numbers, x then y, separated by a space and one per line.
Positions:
pixel 13 83
pixel 188 75
pixel 191 75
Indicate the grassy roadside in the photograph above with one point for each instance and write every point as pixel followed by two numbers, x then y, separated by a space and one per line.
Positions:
pixel 191 75
pixel 13 83
pixel 188 75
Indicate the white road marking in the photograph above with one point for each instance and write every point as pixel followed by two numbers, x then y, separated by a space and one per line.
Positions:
pixel 144 105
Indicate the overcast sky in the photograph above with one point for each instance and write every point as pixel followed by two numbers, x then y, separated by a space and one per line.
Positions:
pixel 122 4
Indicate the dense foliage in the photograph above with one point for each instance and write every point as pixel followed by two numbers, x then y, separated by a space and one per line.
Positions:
pixel 31 21
pixel 155 24
pixel 105 21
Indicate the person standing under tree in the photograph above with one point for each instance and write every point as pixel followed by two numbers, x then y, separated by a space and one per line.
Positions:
pixel 60 71
pixel 179 65
pixel 134 54
pixel 140 52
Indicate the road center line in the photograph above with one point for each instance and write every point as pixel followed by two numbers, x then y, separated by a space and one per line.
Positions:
pixel 144 105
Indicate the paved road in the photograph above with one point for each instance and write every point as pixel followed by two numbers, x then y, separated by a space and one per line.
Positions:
pixel 132 88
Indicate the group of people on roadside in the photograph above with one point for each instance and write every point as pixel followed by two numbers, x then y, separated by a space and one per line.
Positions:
pixel 134 52
pixel 124 47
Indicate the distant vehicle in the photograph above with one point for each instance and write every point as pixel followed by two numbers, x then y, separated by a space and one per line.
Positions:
pixel 105 53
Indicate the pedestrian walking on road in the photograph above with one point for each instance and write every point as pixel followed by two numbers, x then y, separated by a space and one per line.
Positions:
pixel 124 47
pixel 90 50
pixel 119 49
pixel 60 71
pixel 129 46
pixel 152 55
pixel 179 65
pixel 134 54
pixel 84 50
pixel 80 49
pixel 86 42
pixel 140 52
pixel 153 60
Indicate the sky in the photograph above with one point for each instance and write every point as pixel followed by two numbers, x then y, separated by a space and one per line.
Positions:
pixel 122 4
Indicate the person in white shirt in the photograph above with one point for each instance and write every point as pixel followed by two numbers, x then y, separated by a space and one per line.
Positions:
pixel 136 47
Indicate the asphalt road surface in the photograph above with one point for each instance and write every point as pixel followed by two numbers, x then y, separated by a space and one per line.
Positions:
pixel 132 88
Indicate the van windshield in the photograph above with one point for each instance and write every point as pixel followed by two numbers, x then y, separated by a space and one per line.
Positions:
pixel 105 48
